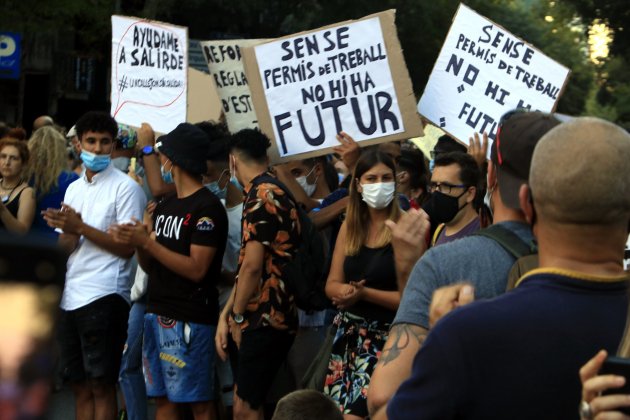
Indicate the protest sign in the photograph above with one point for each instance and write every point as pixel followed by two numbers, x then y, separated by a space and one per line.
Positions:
pixel 204 103
pixel 149 73
pixel 482 72
pixel 225 63
pixel 349 77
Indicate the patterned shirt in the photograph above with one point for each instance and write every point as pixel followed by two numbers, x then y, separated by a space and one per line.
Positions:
pixel 271 218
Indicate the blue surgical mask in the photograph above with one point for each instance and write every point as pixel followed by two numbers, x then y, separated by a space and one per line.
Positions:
pixel 167 176
pixel 234 181
pixel 94 162
pixel 216 190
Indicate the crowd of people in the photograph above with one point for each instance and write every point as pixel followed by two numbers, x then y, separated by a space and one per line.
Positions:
pixel 182 253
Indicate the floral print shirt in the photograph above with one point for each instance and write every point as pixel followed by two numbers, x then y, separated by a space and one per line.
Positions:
pixel 271 218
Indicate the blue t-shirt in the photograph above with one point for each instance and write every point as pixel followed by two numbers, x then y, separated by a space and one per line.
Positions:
pixel 52 200
pixel 476 259
pixel 516 356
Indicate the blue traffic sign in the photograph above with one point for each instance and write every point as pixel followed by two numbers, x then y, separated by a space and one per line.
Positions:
pixel 10 55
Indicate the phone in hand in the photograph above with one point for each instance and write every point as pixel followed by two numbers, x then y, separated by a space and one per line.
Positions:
pixel 620 366
pixel 31 284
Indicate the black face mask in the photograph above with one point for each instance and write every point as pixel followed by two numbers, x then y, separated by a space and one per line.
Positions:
pixel 442 208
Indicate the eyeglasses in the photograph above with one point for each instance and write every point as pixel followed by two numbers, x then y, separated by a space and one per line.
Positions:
pixel 444 187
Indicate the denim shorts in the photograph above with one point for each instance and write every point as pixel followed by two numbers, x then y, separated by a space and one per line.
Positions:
pixel 178 359
pixel 92 338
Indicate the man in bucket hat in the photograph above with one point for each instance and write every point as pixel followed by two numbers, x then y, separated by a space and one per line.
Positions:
pixel 182 256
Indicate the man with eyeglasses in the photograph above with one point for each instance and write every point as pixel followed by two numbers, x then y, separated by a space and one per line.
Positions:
pixel 477 259
pixel 453 189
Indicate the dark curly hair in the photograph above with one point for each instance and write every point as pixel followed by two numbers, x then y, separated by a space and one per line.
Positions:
pixel 251 144
pixel 97 121
pixel 219 135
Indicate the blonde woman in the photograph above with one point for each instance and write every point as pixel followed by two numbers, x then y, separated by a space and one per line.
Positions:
pixel 362 283
pixel 17 206
pixel 48 174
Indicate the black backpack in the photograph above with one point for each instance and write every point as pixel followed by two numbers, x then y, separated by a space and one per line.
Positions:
pixel 526 255
pixel 304 275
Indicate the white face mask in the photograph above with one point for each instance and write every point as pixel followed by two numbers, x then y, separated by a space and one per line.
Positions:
pixel 309 189
pixel 378 195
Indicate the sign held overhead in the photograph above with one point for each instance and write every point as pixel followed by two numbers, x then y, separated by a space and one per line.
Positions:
pixel 484 71
pixel 349 77
pixel 149 73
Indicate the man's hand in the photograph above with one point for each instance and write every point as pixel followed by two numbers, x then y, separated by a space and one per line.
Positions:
pixel 146 136
pixel 447 298
pixel 602 407
pixel 135 233
pixel 221 337
pixel 477 149
pixel 65 218
pixel 349 150
pixel 409 240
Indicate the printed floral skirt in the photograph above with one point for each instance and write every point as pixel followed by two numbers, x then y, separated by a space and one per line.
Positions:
pixel 356 349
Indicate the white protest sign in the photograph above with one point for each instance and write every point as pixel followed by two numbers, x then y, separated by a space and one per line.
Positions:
pixel 482 72
pixel 347 77
pixel 225 64
pixel 149 73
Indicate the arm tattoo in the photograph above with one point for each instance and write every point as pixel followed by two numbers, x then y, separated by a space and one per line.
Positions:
pixel 402 335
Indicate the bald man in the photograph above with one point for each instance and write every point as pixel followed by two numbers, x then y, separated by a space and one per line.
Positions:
pixel 42 121
pixel 517 356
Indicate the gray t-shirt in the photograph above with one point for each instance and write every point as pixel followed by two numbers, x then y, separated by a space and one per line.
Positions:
pixel 476 259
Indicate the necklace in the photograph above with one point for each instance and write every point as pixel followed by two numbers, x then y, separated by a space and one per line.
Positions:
pixel 5 198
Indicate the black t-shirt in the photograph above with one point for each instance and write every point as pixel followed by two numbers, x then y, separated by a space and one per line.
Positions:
pixel 198 219
pixel 375 266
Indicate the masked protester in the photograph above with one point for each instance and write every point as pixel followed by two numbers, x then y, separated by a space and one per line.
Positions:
pixel 451 206
pixel 362 282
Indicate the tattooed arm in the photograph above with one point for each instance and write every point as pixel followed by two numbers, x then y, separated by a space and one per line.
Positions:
pixel 394 364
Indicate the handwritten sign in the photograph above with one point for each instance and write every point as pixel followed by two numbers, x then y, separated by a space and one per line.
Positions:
pixel 149 73
pixel 346 77
pixel 482 72
pixel 225 63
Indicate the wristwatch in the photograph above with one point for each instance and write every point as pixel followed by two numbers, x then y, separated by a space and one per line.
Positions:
pixel 148 150
pixel 238 318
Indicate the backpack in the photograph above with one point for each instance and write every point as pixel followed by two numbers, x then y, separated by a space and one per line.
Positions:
pixel 526 254
pixel 304 275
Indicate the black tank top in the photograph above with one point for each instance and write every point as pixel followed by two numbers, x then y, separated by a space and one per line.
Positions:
pixel 376 266
pixel 12 206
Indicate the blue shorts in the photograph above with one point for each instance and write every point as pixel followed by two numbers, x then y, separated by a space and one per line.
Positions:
pixel 178 359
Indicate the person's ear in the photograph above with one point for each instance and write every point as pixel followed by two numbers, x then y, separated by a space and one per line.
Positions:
pixel 527 204
pixel 471 194
pixel 491 177
pixel 403 177
pixel 358 185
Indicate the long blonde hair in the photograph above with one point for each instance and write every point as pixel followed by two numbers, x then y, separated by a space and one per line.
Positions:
pixel 48 159
pixel 357 215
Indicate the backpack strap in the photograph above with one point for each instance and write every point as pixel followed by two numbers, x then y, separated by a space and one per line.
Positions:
pixel 508 240
pixel 437 232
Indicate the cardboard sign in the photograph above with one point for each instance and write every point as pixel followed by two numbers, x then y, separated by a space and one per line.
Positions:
pixel 149 73
pixel 10 55
pixel 482 72
pixel 225 63
pixel 204 103
pixel 349 77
